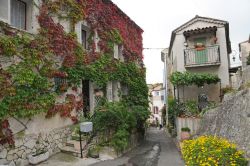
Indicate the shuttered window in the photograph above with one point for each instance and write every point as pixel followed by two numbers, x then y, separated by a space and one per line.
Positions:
pixel 18 14
pixel 109 92
pixel 84 39
pixel 116 51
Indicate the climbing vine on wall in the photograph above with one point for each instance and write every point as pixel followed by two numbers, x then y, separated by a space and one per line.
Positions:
pixel 199 79
pixel 27 83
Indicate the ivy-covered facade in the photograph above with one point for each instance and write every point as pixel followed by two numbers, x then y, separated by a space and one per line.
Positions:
pixel 66 56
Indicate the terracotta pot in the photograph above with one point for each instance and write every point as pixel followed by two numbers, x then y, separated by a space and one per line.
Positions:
pixel 185 135
pixel 200 48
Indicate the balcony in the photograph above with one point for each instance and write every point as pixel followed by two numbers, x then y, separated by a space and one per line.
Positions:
pixel 208 56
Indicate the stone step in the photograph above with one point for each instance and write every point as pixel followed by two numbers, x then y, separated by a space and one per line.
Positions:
pixel 73 147
pixel 70 150
pixel 75 144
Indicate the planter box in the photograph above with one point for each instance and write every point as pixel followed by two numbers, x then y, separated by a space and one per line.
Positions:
pixel 185 135
pixel 192 123
pixel 39 158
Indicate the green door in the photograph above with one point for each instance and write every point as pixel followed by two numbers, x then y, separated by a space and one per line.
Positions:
pixel 200 53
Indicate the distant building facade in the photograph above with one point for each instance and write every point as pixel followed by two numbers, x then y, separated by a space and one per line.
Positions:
pixel 157 101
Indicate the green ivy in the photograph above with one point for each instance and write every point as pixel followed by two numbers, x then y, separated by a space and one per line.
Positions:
pixel 120 119
pixel 187 78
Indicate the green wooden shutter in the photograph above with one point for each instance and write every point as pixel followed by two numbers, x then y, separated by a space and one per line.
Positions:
pixel 201 55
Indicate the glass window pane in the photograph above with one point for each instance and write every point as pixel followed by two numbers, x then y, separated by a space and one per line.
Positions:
pixel 18 14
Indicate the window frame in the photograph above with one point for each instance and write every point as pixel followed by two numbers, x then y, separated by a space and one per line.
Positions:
pixel 84 44
pixel 25 14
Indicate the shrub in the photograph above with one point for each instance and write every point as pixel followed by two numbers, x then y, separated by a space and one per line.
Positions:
pixel 212 151
pixel 185 129
pixel 227 89
pixel 119 120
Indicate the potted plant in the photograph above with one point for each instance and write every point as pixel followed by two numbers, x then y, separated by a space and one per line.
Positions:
pixel 94 152
pixel 185 133
pixel 199 46
pixel 40 155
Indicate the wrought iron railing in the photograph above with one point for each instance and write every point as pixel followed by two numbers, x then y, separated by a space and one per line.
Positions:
pixel 209 55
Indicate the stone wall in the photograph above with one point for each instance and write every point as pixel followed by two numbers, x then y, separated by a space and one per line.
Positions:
pixel 28 144
pixel 230 120
pixel 246 75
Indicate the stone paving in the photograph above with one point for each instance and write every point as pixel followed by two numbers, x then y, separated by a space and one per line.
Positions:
pixel 157 150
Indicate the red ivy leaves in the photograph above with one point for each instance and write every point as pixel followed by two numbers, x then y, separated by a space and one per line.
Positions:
pixel 65 109
pixel 60 43
pixel 105 16
pixel 6 135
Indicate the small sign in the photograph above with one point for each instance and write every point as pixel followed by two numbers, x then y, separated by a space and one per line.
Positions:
pixel 86 127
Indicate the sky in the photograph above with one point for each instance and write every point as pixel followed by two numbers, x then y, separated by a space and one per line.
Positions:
pixel 158 18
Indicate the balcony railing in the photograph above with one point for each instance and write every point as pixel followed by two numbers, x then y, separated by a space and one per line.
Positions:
pixel 210 55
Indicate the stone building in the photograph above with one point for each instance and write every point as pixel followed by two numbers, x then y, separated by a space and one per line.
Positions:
pixel 29 18
pixel 156 98
pixel 201 45
pixel 244 48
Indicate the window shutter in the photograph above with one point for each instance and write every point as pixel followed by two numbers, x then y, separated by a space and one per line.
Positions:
pixel 109 92
pixel 116 51
pixel 22 11
pixel 84 39
pixel 120 48
pixel 18 14
pixel 116 86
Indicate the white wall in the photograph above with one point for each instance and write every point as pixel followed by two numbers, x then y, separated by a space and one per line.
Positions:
pixel 178 52
pixel 5 10
pixel 245 52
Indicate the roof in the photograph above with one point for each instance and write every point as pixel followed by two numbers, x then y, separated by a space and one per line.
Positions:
pixel 246 41
pixel 206 19
pixel 200 30
pixel 155 87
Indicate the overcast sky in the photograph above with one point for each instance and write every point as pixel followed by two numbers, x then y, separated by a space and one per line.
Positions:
pixel 158 18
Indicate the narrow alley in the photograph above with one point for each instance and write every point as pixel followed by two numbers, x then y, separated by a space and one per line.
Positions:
pixel 157 150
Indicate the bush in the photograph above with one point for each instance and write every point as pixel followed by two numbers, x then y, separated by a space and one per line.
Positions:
pixel 119 120
pixel 185 129
pixel 212 151
pixel 227 89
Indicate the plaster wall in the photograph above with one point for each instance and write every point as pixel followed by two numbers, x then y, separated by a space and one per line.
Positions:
pixel 178 52
pixel 245 52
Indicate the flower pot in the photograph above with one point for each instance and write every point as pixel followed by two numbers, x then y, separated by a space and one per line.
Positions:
pixel 35 159
pixel 185 135
pixel 200 48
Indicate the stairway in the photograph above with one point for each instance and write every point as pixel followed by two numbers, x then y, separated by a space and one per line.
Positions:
pixel 73 147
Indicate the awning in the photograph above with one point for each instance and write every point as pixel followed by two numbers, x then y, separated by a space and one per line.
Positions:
pixel 209 29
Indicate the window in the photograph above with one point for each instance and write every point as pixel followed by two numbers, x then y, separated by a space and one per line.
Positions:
pixel 61 84
pixel 118 51
pixel 162 98
pixel 18 14
pixel 84 38
pixel 156 110
pixel 157 93
pixel 109 92
pixel 113 91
